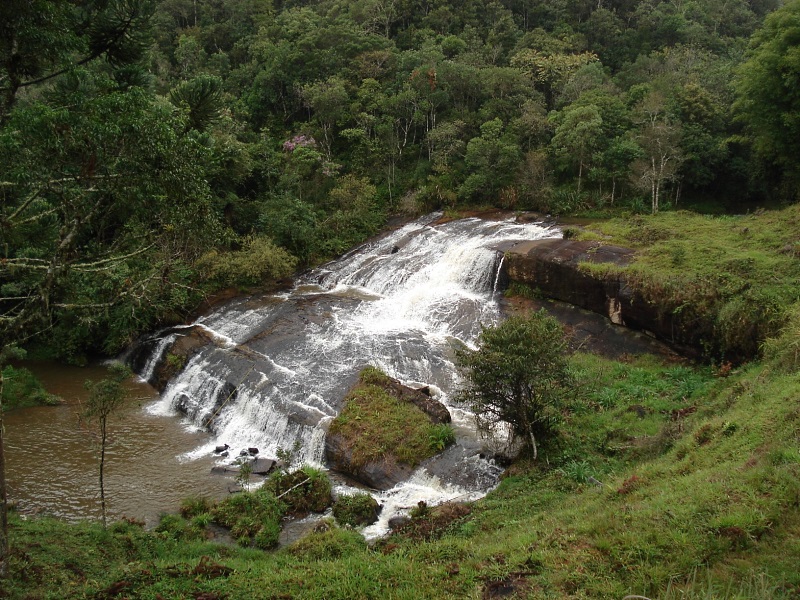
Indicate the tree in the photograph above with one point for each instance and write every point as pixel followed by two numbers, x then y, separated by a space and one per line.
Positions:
pixel 6 353
pixel 768 92
pixel 578 134
pixel 492 159
pixel 659 139
pixel 518 375
pixel 41 40
pixel 105 398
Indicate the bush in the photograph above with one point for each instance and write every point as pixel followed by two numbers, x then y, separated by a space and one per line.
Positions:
pixel 356 510
pixel 303 491
pixel 177 528
pixel 441 436
pixel 21 388
pixel 252 516
pixel 518 375
pixel 194 505
pixel 258 261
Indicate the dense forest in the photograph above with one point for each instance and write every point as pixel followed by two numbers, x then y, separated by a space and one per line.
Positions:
pixel 154 151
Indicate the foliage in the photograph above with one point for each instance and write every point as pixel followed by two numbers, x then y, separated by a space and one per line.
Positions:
pixel 356 509
pixel 106 397
pixel 258 261
pixel 252 517
pixel 21 388
pixel 518 375
pixel 306 490
pixel 767 100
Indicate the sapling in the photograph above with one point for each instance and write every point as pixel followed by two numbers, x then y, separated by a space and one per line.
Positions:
pixel 105 398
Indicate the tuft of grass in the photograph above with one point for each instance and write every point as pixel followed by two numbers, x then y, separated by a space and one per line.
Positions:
pixel 303 491
pixel 251 517
pixel 356 509
pixel 329 543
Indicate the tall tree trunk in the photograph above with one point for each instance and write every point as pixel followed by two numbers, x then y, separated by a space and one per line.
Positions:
pixel 102 464
pixel 3 491
pixel 529 430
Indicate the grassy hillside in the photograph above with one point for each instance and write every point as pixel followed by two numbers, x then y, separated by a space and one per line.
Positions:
pixel 668 481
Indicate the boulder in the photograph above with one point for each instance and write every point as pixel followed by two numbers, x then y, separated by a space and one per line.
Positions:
pixel 262 466
pixel 381 474
pixel 421 398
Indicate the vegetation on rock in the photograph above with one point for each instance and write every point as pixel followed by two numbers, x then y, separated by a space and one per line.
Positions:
pixel 375 425
pixel 356 509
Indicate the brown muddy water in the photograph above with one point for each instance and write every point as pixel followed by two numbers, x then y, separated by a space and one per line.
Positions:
pixel 52 462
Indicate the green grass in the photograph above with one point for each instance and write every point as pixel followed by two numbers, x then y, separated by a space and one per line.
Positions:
pixel 375 424
pixel 667 480
pixel 736 276
pixel 701 505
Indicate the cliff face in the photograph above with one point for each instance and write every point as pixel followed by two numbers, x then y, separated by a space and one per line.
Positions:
pixel 552 266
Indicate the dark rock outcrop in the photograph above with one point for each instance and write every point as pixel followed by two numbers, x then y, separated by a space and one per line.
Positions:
pixel 553 266
pixel 380 474
pixel 421 398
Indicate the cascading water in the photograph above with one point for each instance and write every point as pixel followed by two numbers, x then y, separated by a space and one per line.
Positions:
pixel 277 367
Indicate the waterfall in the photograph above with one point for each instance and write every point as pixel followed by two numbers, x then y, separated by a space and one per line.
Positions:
pixel 279 365
pixel 146 373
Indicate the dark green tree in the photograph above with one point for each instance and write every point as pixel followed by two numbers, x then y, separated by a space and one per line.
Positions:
pixel 768 92
pixel 41 40
pixel 518 375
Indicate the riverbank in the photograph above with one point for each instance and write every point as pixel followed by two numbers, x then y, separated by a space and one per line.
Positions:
pixel 669 481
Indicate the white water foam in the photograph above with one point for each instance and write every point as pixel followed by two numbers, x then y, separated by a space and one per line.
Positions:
pixel 278 369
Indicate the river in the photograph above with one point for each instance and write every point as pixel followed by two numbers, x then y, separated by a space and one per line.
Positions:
pixel 273 372
pixel 52 462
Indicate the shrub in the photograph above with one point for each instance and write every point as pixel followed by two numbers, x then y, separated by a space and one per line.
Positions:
pixel 302 491
pixel 356 510
pixel 251 515
pixel 193 506
pixel 258 260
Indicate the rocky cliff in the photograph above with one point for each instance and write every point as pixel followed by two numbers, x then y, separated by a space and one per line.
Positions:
pixel 556 267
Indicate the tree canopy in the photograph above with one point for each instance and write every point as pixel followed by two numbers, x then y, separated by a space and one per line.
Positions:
pixel 518 376
pixel 146 146
pixel 768 93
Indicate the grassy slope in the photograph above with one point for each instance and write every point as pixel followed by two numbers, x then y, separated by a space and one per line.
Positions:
pixel 700 498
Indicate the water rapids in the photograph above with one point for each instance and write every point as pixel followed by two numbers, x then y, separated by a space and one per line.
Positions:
pixel 278 366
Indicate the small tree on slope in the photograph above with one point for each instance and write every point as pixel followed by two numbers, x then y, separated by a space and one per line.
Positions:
pixel 518 375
